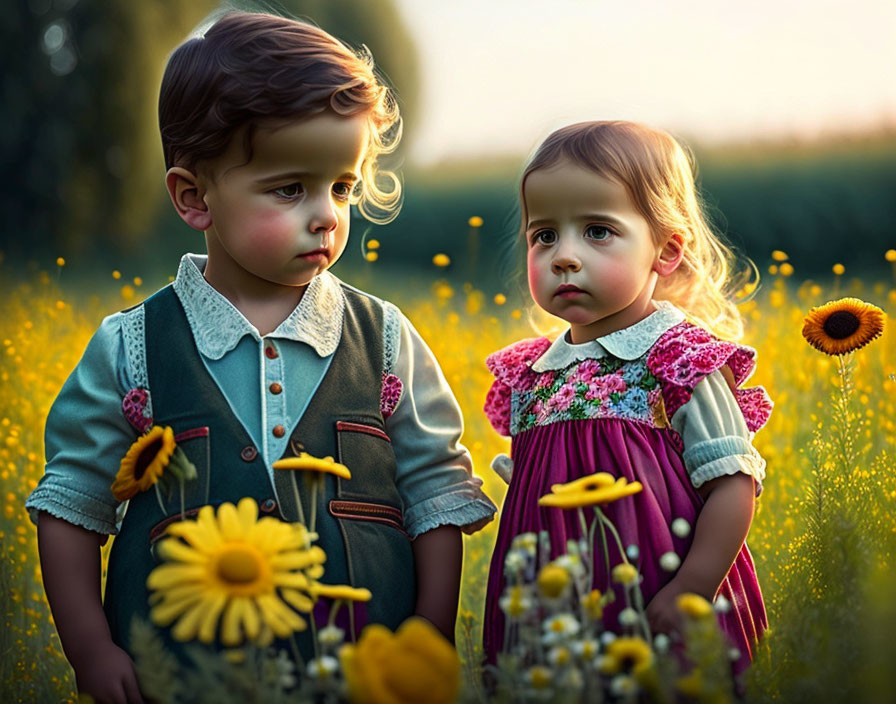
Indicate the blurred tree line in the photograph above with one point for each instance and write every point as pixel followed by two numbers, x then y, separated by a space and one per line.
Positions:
pixel 83 170
pixel 82 160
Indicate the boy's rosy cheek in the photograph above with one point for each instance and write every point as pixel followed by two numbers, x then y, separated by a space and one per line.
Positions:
pixel 269 229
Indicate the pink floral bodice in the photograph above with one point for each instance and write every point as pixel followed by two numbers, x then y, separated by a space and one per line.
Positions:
pixel 647 390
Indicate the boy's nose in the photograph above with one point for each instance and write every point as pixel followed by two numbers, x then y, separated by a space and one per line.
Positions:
pixel 323 219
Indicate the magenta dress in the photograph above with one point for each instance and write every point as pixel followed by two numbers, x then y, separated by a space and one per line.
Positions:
pixel 611 415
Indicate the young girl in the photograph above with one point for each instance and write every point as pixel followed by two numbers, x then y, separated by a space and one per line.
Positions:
pixel 271 130
pixel 642 384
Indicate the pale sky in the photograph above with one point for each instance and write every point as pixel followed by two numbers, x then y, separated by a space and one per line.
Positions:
pixel 498 75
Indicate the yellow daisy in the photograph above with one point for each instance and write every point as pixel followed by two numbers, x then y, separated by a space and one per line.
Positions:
pixel 589 482
pixel 341 591
pixel 306 462
pixel 841 326
pixel 144 463
pixel 590 497
pixel 235 569
pixel 553 580
pixel 694 605
pixel 414 664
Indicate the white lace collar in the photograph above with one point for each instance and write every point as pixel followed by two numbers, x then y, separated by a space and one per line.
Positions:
pixel 628 343
pixel 218 326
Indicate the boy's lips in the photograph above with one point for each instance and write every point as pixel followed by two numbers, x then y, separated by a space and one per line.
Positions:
pixel 316 255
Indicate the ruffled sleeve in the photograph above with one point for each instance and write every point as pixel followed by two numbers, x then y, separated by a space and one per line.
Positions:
pixel 686 354
pixel 512 369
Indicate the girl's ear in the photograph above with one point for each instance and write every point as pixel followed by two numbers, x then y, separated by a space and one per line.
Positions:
pixel 670 255
pixel 186 195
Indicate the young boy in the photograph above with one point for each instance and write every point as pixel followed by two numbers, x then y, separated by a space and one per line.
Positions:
pixel 271 128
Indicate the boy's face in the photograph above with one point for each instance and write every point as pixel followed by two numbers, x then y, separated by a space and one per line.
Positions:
pixel 283 217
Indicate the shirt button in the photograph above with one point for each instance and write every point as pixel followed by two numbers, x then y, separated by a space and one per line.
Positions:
pixel 270 352
pixel 268 505
pixel 275 388
pixel 279 431
pixel 249 453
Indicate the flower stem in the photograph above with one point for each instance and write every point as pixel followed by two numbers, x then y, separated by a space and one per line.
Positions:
pixel 315 482
pixel 182 511
pixel 295 491
pixel 159 498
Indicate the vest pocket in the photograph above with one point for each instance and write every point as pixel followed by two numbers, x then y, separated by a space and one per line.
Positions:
pixel 367 452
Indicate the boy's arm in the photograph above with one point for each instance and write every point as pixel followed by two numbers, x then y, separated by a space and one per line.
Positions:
pixel 70 564
pixel 439 555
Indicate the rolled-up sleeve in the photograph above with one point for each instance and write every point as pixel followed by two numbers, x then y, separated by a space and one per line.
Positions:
pixel 434 471
pixel 715 436
pixel 86 436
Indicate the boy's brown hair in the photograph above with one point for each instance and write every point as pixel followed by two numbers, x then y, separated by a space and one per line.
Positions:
pixel 251 69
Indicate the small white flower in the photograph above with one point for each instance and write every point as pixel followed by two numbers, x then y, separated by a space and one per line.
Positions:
pixel 283 668
pixel 632 552
pixel 516 601
pixel 607 637
pixel 661 643
pixel 515 561
pixel 571 680
pixel 586 649
pixel 322 668
pixel 670 561
pixel 681 527
pixel 628 617
pixel 330 636
pixel 572 547
pixel 538 677
pixel 559 628
pixel 721 605
pixel 733 654
pixel 559 656
pixel 525 541
pixel 622 685
pixel 572 564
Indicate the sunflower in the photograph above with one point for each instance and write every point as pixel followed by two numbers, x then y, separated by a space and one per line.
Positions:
pixel 841 326
pixel 144 463
pixel 625 654
pixel 237 569
pixel 595 493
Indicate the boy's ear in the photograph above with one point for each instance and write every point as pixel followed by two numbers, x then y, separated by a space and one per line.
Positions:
pixel 670 255
pixel 186 195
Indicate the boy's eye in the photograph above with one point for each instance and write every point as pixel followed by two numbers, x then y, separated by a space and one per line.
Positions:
pixel 544 237
pixel 293 190
pixel 598 232
pixel 343 191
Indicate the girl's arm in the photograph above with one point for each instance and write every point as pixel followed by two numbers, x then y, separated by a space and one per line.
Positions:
pixel 719 534
pixel 70 564
pixel 439 555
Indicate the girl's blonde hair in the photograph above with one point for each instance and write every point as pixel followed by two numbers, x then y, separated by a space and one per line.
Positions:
pixel 659 176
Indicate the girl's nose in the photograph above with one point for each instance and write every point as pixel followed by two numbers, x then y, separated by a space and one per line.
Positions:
pixel 565 260
pixel 324 218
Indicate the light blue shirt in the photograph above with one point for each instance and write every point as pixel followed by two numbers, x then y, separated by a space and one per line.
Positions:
pixel 713 431
pixel 87 433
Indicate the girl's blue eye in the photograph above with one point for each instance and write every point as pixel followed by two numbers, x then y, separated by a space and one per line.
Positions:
pixel 293 190
pixel 544 237
pixel 598 232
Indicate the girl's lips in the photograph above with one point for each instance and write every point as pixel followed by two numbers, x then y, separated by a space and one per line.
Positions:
pixel 568 291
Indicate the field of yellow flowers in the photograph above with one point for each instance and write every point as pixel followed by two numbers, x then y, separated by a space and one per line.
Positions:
pixel 823 538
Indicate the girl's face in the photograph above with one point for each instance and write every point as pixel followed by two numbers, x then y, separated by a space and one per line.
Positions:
pixel 591 254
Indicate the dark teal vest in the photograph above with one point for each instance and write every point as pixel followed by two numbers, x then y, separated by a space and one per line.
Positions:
pixel 359 520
